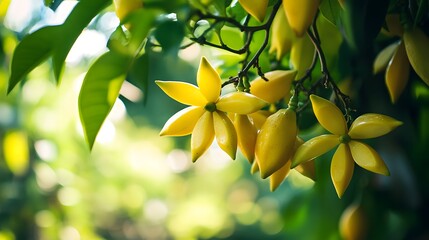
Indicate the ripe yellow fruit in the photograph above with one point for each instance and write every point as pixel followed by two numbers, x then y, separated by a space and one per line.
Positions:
pixel 202 135
pixel 314 148
pixel 279 176
pixel 397 73
pixel 383 58
pixel 226 136
pixel 282 35
pixel 125 7
pixel 246 134
pixel 342 167
pixel 328 115
pixel 301 55
pixel 372 125
pixel 416 43
pixel 307 169
pixel 300 14
pixel 276 88
pixel 394 26
pixel 353 223
pixel 257 8
pixel 275 142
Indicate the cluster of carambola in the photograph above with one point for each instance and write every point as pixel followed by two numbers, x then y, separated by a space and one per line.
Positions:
pixel 270 139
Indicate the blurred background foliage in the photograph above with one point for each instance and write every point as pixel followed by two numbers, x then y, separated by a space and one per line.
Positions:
pixel 137 185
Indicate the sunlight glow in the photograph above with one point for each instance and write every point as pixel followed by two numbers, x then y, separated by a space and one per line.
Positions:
pixel 69 233
pixel 190 53
pixel 69 196
pixel 89 44
pixel 213 158
pixel 45 177
pixel 131 92
pixel 178 161
pixel 46 150
pixel 155 210
pixel 20 13
pixel 133 196
pixel 118 111
pixel 45 218
pixel 107 133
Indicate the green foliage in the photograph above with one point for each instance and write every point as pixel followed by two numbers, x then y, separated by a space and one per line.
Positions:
pixel 163 40
pixel 99 91
pixel 55 41
pixel 32 50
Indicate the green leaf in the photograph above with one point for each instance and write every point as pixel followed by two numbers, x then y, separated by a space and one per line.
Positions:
pixel 232 37
pixel 142 21
pixel 78 19
pixel 362 21
pixel 331 9
pixel 52 40
pixel 421 11
pixel 30 52
pixel 139 74
pixel 170 34
pixel 118 41
pixel 99 91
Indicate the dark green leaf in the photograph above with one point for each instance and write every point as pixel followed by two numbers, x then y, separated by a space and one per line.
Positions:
pixel 331 9
pixel 53 4
pixel 362 21
pixel 220 6
pixel 118 41
pixel 139 74
pixel 78 19
pixel 237 12
pixel 141 21
pixel 170 34
pixel 99 91
pixel 421 11
pixel 30 52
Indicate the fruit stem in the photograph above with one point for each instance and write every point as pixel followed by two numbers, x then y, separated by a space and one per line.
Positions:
pixel 326 78
pixel 249 33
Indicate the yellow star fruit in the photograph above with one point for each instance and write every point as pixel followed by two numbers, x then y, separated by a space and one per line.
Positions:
pixel 282 35
pixel 328 115
pixel 349 150
pixel 226 135
pixel 202 135
pixel 277 87
pixel 383 58
pixel 416 44
pixel 300 14
pixel 397 73
pixel 256 8
pixel 205 118
pixel 354 223
pixel 301 55
pixel 275 141
pixel 342 167
pixel 125 7
pixel 246 134
pixel 372 125
pixel 278 176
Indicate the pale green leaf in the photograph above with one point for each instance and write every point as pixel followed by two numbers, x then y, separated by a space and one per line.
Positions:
pixel 30 52
pixel 78 19
pixel 99 91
